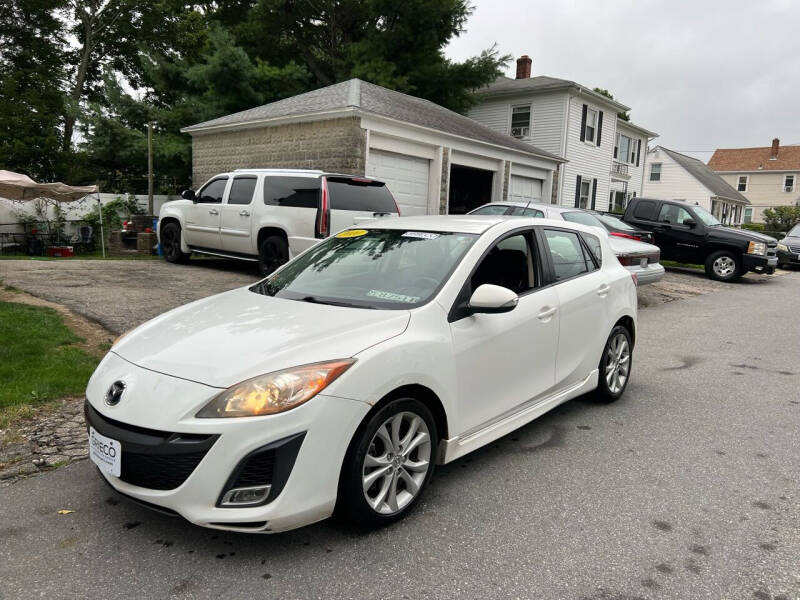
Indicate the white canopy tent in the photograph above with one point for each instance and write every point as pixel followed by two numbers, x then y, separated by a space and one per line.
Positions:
pixel 19 187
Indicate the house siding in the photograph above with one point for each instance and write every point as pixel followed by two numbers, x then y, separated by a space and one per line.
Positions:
pixel 765 190
pixel 495 114
pixel 636 181
pixel 675 184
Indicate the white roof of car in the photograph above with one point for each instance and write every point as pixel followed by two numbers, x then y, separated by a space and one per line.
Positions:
pixel 463 223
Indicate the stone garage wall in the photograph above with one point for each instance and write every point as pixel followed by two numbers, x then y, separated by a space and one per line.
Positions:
pixel 337 145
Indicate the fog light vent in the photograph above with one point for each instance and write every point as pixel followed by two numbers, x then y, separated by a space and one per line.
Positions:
pixel 246 496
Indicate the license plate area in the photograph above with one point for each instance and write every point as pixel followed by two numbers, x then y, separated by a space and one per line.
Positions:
pixel 105 452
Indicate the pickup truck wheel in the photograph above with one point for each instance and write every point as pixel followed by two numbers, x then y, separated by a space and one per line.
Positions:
pixel 615 365
pixel 272 253
pixel 724 266
pixel 171 244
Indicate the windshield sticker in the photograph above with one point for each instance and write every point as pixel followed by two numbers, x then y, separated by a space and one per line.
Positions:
pixel 351 233
pixel 425 235
pixel 392 296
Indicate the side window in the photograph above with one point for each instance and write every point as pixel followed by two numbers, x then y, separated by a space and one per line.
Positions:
pixel 593 242
pixel 566 253
pixel 510 263
pixel 292 192
pixel 519 211
pixel 645 210
pixel 671 213
pixel 213 192
pixel 242 190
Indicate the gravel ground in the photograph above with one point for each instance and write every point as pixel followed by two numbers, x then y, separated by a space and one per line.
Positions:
pixel 688 487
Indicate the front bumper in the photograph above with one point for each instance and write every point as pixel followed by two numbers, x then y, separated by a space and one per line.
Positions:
pixel 647 275
pixel 788 258
pixel 214 449
pixel 760 264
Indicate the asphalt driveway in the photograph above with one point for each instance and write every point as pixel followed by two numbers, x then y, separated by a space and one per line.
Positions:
pixel 688 487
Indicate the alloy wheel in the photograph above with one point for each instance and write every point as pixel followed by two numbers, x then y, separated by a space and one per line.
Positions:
pixel 618 359
pixel 170 243
pixel 396 463
pixel 724 266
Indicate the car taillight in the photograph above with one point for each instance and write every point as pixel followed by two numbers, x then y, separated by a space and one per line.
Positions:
pixel 628 261
pixel 323 219
pixel 635 278
pixel 626 235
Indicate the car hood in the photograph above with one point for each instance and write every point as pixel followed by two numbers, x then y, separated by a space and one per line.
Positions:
pixel 626 246
pixel 225 339
pixel 739 234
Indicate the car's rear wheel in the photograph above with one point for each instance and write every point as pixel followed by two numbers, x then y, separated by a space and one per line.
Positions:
pixel 388 464
pixel 273 252
pixel 724 266
pixel 171 244
pixel 615 365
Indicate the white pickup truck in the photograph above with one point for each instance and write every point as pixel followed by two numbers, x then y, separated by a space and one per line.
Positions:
pixel 268 215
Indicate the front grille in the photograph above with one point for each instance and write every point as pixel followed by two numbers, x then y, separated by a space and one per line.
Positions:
pixel 795 249
pixel 257 470
pixel 153 459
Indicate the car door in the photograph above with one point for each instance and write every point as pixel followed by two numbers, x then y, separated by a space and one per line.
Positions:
pixel 203 216
pixel 582 290
pixel 505 360
pixel 236 218
pixel 677 241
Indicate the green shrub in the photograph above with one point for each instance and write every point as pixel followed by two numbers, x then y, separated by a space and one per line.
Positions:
pixel 782 218
pixel 114 213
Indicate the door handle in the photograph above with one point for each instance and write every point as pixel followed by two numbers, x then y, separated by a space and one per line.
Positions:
pixel 213 211
pixel 602 291
pixel 546 313
pixel 244 213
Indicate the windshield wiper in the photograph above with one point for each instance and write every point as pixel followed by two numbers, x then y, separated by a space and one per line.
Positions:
pixel 315 300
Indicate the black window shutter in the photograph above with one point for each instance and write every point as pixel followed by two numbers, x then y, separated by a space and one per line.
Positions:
pixel 578 191
pixel 583 123
pixel 638 150
pixel 599 126
pixel 594 190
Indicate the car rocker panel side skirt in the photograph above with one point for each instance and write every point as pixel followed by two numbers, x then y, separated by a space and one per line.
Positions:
pixel 223 254
pixel 458 446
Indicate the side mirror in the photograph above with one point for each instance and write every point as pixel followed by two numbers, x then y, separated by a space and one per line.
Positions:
pixel 690 222
pixel 189 195
pixel 490 298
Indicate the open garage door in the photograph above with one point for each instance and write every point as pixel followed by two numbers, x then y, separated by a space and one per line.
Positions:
pixel 406 176
pixel 526 189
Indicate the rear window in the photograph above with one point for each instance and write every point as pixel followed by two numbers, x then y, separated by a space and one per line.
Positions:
pixel 583 218
pixel 293 192
pixel 360 194
pixel 645 209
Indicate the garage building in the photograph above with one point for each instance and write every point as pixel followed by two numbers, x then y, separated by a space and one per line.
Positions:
pixel 435 161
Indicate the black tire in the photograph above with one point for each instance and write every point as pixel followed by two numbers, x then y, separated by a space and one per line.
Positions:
pixel 607 389
pixel 352 501
pixel 273 252
pixel 171 244
pixel 724 265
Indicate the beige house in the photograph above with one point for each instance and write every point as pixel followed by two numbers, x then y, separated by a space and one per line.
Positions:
pixel 766 176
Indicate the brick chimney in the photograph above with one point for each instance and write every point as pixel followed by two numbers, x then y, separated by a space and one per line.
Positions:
pixel 524 63
pixel 775 143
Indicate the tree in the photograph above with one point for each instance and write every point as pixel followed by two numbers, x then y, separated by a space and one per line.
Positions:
pixel 625 116
pixel 782 218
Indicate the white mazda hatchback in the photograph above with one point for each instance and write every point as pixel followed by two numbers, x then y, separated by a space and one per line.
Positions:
pixel 338 382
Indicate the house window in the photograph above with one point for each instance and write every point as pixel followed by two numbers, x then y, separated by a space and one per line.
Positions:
pixel 748 215
pixel 626 149
pixel 655 172
pixel 585 191
pixel 521 121
pixel 742 185
pixel 591 125
pixel 788 183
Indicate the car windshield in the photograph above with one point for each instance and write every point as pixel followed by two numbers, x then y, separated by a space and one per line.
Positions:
pixel 706 217
pixel 794 231
pixel 371 268
pixel 584 218
pixel 614 223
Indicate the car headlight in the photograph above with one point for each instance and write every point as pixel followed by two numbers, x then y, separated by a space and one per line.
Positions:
pixel 783 247
pixel 757 248
pixel 275 392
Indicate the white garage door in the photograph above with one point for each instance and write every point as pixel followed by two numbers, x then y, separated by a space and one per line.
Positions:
pixel 526 189
pixel 406 176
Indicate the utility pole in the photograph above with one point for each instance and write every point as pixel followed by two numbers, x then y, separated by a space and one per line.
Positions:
pixel 149 167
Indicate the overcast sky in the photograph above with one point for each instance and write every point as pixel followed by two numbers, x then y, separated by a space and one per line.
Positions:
pixel 702 74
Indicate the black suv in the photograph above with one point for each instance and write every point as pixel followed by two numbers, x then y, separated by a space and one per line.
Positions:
pixel 689 233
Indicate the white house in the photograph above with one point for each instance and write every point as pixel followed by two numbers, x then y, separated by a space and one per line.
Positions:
pixel 675 176
pixel 606 163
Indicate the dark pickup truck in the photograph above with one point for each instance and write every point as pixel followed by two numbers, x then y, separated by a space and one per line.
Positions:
pixel 688 233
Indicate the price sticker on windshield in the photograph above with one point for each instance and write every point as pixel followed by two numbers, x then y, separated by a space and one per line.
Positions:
pixel 424 235
pixel 351 233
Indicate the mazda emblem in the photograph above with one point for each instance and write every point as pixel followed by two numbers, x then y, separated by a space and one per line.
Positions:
pixel 114 393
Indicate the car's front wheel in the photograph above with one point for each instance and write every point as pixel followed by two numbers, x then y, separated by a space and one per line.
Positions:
pixel 388 464
pixel 171 244
pixel 724 266
pixel 615 365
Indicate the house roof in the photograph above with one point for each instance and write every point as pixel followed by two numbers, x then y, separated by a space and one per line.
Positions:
pixel 636 128
pixel 505 86
pixel 755 159
pixel 363 98
pixel 700 171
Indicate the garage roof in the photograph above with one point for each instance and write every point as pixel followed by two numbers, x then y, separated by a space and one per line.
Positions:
pixel 361 97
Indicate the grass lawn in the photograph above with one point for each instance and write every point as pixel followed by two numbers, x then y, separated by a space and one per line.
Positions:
pixel 37 361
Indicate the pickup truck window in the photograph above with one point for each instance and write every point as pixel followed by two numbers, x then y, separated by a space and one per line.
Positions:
pixel 671 213
pixel 293 192
pixel 706 217
pixel 645 210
